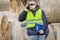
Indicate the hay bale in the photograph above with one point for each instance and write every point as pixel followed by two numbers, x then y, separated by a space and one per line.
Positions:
pixel 54 31
pixel 16 6
pixel 12 5
pixel 52 10
pixel 6 29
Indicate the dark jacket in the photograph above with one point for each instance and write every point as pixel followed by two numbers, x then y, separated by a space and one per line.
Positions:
pixel 32 31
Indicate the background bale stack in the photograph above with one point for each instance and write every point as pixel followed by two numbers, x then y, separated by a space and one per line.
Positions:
pixel 6 29
pixel 51 7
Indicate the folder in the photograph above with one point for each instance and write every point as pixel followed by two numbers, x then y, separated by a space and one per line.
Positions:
pixel 38 27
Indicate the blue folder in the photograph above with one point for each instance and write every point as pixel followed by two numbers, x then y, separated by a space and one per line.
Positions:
pixel 38 27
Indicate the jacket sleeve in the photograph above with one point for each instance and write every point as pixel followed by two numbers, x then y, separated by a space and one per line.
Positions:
pixel 45 21
pixel 22 16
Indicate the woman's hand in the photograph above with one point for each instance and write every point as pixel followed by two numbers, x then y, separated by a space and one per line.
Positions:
pixel 41 31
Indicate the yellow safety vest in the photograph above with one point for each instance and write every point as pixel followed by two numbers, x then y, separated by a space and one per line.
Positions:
pixel 32 20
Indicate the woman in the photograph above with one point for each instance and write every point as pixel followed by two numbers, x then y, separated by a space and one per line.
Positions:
pixel 34 15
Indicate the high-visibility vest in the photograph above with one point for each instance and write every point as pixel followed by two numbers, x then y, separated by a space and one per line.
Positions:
pixel 32 20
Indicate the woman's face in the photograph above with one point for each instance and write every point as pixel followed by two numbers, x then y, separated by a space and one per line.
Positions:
pixel 32 6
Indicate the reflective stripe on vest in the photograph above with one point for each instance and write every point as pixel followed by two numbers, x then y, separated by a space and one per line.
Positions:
pixel 32 20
